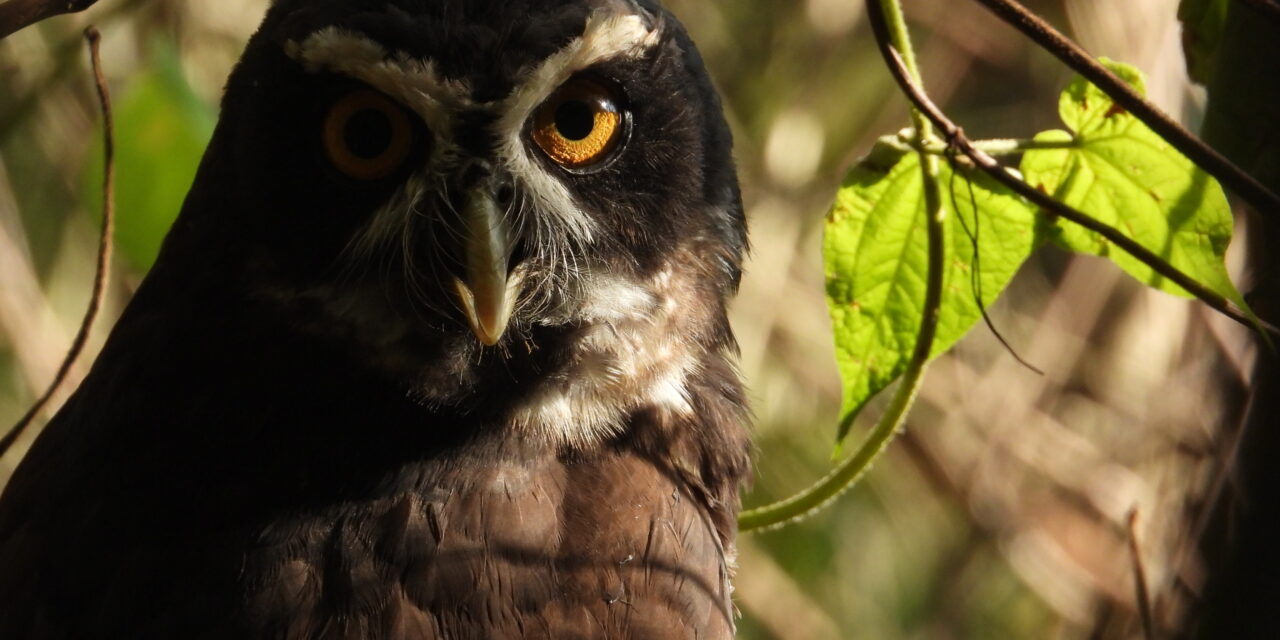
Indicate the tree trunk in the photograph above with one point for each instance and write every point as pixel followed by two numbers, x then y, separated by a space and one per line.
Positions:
pixel 1242 543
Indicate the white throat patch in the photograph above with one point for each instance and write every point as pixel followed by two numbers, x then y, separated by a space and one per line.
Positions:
pixel 640 347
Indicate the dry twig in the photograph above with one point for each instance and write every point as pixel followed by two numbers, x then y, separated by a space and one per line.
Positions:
pixel 104 247
pixel 1071 54
pixel 956 139
pixel 1141 592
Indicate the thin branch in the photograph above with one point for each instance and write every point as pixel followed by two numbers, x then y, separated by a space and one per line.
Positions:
pixel 103 268
pixel 1048 204
pixel 65 49
pixel 856 466
pixel 1141 593
pixel 1070 53
pixel 16 15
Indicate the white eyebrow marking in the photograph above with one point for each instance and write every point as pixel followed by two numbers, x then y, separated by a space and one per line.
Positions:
pixel 636 354
pixel 607 35
pixel 415 83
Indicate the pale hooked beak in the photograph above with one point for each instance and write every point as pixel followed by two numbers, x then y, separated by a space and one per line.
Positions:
pixel 488 290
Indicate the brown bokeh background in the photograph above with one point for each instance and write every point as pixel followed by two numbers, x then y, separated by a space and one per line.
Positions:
pixel 1001 513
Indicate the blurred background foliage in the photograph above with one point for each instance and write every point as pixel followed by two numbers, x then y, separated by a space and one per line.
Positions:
pixel 1000 513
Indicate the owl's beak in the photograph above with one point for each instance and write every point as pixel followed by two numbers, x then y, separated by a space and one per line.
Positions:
pixel 489 289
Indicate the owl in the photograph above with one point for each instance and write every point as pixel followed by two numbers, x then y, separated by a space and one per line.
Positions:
pixel 436 348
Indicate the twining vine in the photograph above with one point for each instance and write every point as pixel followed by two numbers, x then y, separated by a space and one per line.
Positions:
pixel 1126 182
pixel 848 473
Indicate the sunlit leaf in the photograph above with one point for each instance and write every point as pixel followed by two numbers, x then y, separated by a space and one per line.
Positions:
pixel 876 259
pixel 1126 176
pixel 162 128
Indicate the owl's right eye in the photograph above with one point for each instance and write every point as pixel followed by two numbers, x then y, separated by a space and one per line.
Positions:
pixel 367 136
pixel 581 124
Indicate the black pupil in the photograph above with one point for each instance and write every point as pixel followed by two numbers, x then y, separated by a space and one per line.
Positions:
pixel 575 119
pixel 367 133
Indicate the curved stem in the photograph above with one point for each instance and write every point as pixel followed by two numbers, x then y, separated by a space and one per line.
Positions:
pixel 851 470
pixel 886 20
pixel 103 268
pixel 886 15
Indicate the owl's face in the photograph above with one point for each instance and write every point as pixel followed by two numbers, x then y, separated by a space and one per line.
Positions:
pixel 528 200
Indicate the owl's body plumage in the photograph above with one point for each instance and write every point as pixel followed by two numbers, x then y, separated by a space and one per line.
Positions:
pixel 307 423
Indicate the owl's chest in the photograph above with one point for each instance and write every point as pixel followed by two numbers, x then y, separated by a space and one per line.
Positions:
pixel 606 549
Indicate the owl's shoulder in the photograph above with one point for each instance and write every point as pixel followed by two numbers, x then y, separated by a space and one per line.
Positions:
pixel 606 546
pixel 314 512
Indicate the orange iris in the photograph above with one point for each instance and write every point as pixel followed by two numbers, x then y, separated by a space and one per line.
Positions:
pixel 367 136
pixel 579 124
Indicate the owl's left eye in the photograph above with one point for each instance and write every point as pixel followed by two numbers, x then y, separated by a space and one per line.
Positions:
pixel 367 136
pixel 580 124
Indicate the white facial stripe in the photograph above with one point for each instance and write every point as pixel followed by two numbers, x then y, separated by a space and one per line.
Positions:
pixel 607 36
pixel 416 84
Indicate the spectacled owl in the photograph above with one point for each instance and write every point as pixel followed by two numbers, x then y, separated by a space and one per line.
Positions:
pixel 436 348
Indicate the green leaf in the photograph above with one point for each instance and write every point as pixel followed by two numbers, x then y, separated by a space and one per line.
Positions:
pixel 1126 176
pixel 1203 22
pixel 162 128
pixel 876 255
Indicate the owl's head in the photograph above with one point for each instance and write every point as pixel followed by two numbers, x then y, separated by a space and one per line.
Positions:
pixel 529 199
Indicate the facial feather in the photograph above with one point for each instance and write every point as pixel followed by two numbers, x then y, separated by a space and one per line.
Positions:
pixel 633 336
